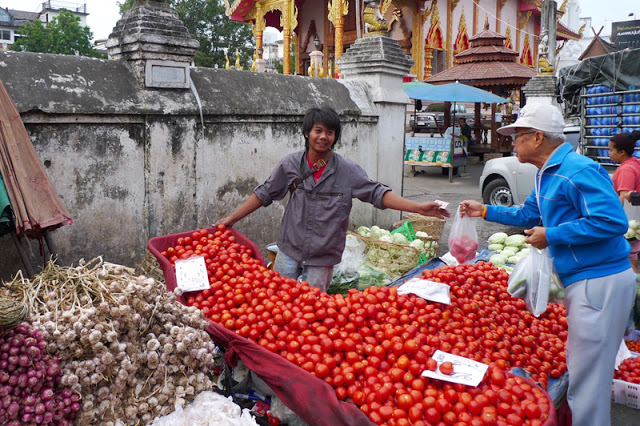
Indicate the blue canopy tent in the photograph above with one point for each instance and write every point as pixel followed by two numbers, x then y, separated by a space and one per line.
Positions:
pixel 411 85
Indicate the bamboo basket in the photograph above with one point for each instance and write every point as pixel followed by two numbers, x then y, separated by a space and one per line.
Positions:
pixel 431 225
pixel 394 259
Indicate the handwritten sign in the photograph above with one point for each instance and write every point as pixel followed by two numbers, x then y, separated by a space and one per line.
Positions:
pixel 191 274
pixel 428 290
pixel 465 371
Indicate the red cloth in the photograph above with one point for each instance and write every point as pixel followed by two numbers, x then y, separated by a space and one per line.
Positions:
pixel 318 173
pixel 308 396
pixel 627 176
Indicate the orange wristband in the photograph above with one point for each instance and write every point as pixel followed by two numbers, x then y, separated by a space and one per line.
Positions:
pixel 484 212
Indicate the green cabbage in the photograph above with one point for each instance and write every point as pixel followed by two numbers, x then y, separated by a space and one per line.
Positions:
pixel 364 231
pixel 495 247
pixel 515 240
pixel 422 234
pixel 498 238
pixel 634 224
pixel 514 259
pixel 399 238
pixel 630 234
pixel 509 251
pixel 498 259
pixel 385 238
pixel 418 244
pixel 375 232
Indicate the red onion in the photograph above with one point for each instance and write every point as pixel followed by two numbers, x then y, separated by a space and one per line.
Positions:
pixel 30 390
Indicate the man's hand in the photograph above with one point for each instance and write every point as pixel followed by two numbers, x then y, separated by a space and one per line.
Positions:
pixel 226 221
pixel 431 208
pixel 471 208
pixel 537 237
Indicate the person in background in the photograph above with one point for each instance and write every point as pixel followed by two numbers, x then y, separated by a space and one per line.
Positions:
pixel 322 185
pixel 465 129
pixel 574 211
pixel 626 178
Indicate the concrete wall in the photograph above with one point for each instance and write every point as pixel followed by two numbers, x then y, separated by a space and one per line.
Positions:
pixel 131 162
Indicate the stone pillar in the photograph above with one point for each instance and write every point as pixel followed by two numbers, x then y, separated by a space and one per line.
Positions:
pixel 151 37
pixel 381 63
pixel 542 89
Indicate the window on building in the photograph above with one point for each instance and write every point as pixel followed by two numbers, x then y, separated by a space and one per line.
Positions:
pixel 438 61
pixel 5 35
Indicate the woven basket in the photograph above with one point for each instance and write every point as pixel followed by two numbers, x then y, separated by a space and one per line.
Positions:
pixel 431 225
pixel 394 259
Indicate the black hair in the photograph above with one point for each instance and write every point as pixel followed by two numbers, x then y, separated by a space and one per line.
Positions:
pixel 324 115
pixel 626 141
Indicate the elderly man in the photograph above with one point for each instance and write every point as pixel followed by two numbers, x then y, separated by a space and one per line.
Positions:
pixel 574 211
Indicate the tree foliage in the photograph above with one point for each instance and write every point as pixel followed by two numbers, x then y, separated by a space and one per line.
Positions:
pixel 217 34
pixel 63 35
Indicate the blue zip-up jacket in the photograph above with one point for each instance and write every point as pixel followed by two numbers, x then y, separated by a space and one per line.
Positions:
pixel 584 219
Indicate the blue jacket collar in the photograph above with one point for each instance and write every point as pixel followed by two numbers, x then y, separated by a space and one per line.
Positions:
pixel 559 155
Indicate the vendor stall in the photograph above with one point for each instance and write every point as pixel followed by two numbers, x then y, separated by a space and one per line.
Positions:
pixel 449 151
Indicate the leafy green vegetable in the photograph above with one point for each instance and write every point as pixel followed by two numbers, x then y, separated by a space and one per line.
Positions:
pixel 495 247
pixel 515 240
pixel 498 238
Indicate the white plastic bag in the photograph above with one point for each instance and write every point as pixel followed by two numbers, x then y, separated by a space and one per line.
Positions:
pixel 531 280
pixel 208 409
pixel 353 257
pixel 463 238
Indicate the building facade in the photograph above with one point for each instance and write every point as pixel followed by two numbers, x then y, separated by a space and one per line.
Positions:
pixel 12 20
pixel 431 32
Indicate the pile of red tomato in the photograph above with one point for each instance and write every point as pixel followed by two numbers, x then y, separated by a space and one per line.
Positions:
pixel 372 346
pixel 629 370
pixel 633 345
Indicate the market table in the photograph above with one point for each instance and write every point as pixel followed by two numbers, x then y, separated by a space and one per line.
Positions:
pixel 447 152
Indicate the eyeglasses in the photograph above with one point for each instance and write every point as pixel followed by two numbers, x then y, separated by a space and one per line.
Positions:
pixel 517 135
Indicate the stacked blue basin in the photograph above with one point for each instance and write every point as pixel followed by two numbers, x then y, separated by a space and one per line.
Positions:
pixel 603 117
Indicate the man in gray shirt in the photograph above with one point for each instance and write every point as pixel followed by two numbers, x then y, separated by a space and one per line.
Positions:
pixel 322 185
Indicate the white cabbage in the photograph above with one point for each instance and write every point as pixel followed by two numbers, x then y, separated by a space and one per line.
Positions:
pixel 498 238
pixel 515 240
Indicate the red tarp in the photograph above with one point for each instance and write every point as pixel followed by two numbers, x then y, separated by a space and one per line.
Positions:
pixel 35 202
pixel 308 396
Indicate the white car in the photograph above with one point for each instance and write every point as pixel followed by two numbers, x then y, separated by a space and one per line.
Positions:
pixel 506 181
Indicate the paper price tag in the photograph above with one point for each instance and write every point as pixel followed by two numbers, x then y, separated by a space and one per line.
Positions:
pixel 428 290
pixel 465 371
pixel 191 274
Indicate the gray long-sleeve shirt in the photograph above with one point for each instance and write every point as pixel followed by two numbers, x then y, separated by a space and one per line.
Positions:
pixel 316 218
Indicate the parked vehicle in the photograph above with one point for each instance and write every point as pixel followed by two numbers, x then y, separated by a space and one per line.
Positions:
pixel 506 181
pixel 431 119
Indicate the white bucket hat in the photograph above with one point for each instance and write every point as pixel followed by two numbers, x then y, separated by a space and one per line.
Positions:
pixel 545 117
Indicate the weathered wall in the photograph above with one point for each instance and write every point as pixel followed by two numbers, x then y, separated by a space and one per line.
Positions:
pixel 131 163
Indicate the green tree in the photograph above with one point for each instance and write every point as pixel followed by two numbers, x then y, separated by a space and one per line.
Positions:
pixel 217 34
pixel 63 35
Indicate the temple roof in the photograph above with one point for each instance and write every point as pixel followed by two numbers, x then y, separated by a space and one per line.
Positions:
pixel 494 73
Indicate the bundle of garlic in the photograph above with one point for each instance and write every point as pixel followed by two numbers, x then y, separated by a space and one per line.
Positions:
pixel 125 345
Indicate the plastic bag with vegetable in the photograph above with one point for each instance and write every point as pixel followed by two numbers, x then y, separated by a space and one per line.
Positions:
pixel 353 256
pixel 531 280
pixel 463 239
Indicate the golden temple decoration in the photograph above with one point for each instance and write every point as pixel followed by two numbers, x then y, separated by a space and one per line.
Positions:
pixel 405 42
pixel 563 7
pixel 524 20
pixel 486 22
pixel 508 43
pixel 238 66
pixel 227 65
pixel 502 3
pixel 581 30
pixel 462 40
pixel 526 58
pixel 374 22
pixel 254 63
pixel 384 5
pixel 419 19
pixel 433 40
pixel 337 10
pixel 453 3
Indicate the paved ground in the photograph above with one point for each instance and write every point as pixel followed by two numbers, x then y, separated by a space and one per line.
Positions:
pixel 430 184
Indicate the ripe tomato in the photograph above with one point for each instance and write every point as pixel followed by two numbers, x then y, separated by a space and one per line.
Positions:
pixel 446 368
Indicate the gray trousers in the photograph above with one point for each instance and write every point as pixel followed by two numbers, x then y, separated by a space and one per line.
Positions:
pixel 597 312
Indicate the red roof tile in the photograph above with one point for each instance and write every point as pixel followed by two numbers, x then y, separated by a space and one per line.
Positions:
pixel 485 73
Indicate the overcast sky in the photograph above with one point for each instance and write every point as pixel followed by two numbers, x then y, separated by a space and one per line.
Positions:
pixel 103 14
